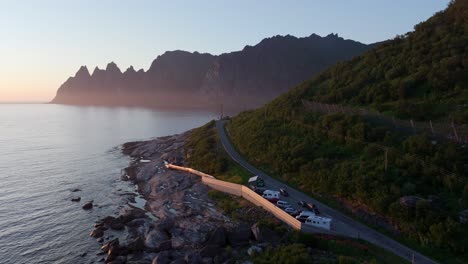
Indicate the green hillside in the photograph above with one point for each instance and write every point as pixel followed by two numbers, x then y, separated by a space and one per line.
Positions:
pixel 422 74
pixel 418 193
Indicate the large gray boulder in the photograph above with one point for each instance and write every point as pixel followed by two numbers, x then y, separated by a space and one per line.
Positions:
pixel 210 251
pixel 164 257
pixel 239 236
pixel 154 238
pixel 217 237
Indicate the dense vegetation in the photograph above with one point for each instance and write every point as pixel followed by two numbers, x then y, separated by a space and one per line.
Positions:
pixel 421 74
pixel 342 157
pixel 306 247
pixel 205 153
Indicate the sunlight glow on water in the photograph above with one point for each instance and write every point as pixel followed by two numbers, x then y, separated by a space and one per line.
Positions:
pixel 48 150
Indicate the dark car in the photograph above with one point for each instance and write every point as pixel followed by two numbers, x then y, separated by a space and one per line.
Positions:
pixel 311 206
pixel 259 190
pixel 283 192
pixel 302 203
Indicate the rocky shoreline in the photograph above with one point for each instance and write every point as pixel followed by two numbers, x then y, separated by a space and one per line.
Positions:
pixel 179 223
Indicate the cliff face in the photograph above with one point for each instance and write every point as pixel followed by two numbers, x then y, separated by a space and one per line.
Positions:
pixel 246 78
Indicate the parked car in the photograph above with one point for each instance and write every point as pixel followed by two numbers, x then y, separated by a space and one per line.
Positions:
pixel 291 211
pixel 282 204
pixel 284 192
pixel 302 218
pixel 259 190
pixel 304 214
pixel 310 206
pixel 302 203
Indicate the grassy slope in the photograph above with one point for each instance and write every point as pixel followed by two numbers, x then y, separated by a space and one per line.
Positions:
pixel 204 142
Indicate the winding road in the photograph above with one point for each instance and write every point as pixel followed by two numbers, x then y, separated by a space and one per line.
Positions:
pixel 341 225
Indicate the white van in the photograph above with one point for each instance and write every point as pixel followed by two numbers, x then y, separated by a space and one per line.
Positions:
pixel 271 196
pixel 319 221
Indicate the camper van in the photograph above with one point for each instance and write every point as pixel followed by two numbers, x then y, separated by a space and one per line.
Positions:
pixel 318 221
pixel 272 196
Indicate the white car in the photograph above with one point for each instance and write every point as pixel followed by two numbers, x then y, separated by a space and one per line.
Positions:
pixel 282 204
pixel 291 211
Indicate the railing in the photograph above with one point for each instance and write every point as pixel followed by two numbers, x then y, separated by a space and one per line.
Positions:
pixel 246 193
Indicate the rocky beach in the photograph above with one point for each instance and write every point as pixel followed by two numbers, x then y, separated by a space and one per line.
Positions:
pixel 178 221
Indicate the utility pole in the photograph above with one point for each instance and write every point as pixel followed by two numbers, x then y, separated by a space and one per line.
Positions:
pixel 412 259
pixel 222 112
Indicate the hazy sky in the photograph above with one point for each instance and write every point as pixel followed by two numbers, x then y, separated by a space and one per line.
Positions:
pixel 44 42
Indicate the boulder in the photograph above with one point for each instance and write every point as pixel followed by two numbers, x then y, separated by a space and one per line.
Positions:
pixel 217 237
pixel 96 233
pixel 76 199
pixel 178 261
pixel 463 216
pixel 154 238
pixel 117 226
pixel 163 258
pixel 435 201
pixel 207 260
pixel 119 260
pixel 193 258
pixel 136 245
pixel 254 250
pixel 264 234
pixel 109 244
pixel 165 224
pixel 87 206
pixel 115 251
pixel 239 235
pixel 131 214
pixel 107 220
pixel 210 251
pixel 164 245
pixel 76 190
pixel 410 201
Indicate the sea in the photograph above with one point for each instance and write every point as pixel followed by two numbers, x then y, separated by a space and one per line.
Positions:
pixel 47 152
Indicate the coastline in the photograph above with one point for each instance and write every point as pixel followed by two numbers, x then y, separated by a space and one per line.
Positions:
pixel 179 221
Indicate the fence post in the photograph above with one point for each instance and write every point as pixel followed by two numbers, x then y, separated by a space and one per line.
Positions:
pixel 412 124
pixel 455 131
pixel 432 128
pixel 386 159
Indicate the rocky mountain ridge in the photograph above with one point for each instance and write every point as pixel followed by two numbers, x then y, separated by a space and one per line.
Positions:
pixel 246 78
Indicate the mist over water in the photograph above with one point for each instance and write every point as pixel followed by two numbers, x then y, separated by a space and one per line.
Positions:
pixel 48 150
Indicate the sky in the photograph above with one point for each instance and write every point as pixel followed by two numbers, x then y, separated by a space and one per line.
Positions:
pixel 44 42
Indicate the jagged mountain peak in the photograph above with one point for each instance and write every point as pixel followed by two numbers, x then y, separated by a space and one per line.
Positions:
pixel 82 72
pixel 113 68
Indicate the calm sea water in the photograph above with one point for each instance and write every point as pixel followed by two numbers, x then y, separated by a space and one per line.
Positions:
pixel 48 150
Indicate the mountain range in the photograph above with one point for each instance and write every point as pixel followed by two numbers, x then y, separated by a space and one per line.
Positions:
pixel 241 79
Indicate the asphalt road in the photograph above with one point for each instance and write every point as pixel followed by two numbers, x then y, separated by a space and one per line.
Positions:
pixel 341 224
